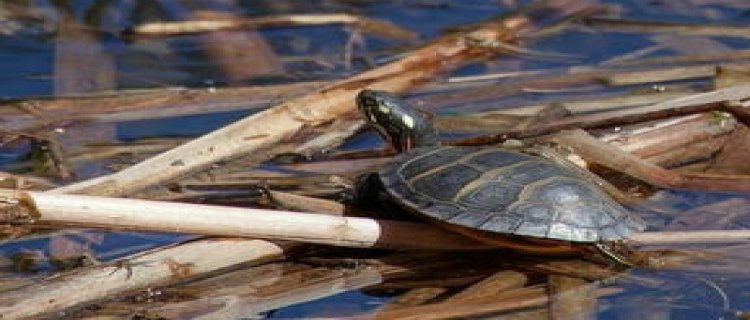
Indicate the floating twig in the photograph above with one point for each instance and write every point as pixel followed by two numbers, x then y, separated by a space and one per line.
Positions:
pixel 142 270
pixel 691 237
pixel 701 102
pixel 643 26
pixel 375 26
pixel 689 58
pixel 124 105
pixel 609 156
pixel 89 211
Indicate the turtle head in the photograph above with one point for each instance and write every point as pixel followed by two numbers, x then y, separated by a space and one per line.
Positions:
pixel 402 125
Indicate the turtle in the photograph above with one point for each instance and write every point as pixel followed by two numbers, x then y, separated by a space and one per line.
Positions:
pixel 508 198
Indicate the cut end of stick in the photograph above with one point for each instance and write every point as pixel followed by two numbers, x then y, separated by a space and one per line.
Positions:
pixel 17 207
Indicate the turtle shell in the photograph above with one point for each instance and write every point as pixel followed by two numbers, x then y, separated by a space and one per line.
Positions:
pixel 505 192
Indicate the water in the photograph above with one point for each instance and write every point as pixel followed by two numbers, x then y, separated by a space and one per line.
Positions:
pixel 27 69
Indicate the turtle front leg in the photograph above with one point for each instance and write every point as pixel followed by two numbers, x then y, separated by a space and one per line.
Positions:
pixel 368 190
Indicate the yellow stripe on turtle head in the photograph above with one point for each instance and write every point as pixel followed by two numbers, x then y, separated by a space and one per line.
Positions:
pixel 384 109
pixel 408 121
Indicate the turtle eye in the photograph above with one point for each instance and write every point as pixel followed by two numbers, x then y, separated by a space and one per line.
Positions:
pixel 372 117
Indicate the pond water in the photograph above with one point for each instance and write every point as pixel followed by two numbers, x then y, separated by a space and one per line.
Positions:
pixel 35 61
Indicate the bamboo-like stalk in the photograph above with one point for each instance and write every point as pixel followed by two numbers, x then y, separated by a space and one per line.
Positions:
pixel 579 106
pixel 691 237
pixel 91 211
pixel 620 25
pixel 652 76
pixel 278 123
pixel 604 154
pixel 307 204
pixel 139 104
pixel 381 27
pixel 688 58
pixel 147 269
pixel 700 102
pixel 657 138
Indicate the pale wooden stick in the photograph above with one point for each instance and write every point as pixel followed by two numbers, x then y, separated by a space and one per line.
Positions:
pixel 653 138
pixel 612 157
pixel 645 26
pixel 701 102
pixel 381 27
pixel 139 104
pixel 691 237
pixel 651 76
pixel 590 105
pixel 688 58
pixel 91 211
pixel 148 269
pixel 307 204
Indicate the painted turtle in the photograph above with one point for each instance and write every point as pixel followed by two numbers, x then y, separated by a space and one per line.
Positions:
pixel 489 193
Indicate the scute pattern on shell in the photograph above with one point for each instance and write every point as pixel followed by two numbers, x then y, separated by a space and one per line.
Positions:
pixel 505 192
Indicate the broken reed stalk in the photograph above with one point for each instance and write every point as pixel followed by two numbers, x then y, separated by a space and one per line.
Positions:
pixel 92 211
pixel 594 150
pixel 690 237
pixel 307 204
pixel 642 26
pixel 657 138
pixel 690 58
pixel 147 269
pixel 163 29
pixel 146 215
pixel 139 104
pixel 281 122
pixel 701 102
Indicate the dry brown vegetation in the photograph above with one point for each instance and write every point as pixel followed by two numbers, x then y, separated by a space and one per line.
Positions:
pixel 645 124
